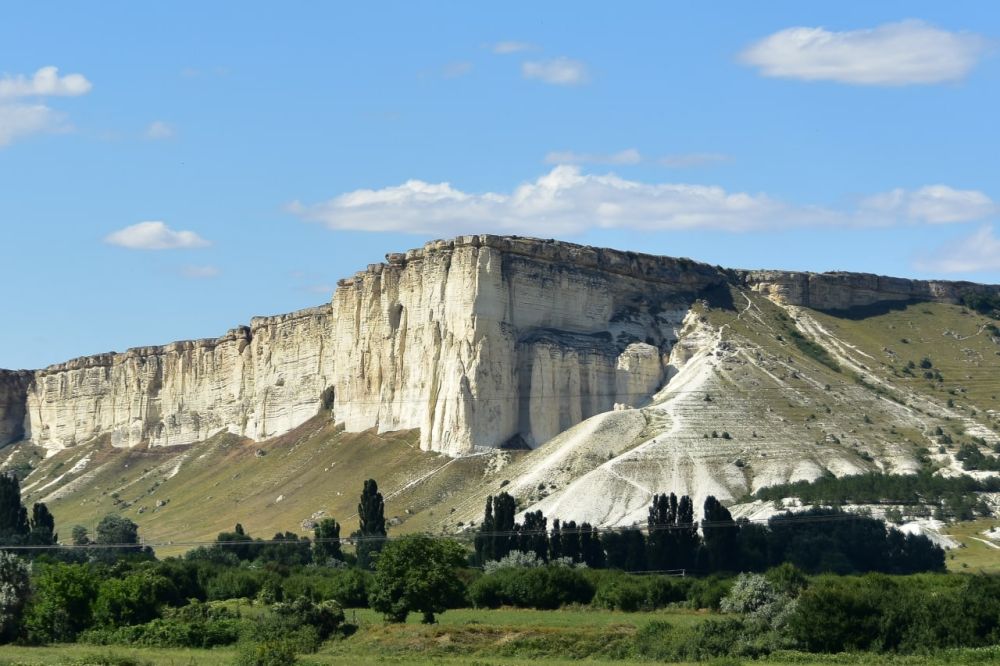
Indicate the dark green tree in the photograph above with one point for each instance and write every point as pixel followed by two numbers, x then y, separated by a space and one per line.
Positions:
pixel 484 539
pixel 371 518
pixel 685 536
pixel 625 549
pixel 61 602
pixel 505 527
pixel 591 551
pixel 14 526
pixel 417 573
pixel 121 536
pixel 326 546
pixel 43 526
pixel 660 525
pixel 721 537
pixel 239 543
pixel 533 537
pixel 555 541
pixel 80 536
pixel 570 537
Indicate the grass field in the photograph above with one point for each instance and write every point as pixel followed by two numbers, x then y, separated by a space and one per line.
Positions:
pixel 504 637
pixel 976 555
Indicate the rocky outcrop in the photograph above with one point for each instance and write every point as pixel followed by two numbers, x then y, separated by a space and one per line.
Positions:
pixel 481 341
pixel 484 339
pixel 256 381
pixel 843 291
pixel 13 401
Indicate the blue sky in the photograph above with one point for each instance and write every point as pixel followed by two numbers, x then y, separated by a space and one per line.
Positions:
pixel 189 165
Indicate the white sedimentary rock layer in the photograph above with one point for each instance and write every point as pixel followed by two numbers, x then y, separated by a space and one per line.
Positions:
pixel 482 341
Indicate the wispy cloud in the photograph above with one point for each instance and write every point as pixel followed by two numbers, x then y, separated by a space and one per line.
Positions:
pixel 154 235
pixel 976 253
pixel 894 54
pixel 200 272
pixel 507 48
pixel 558 71
pixel 568 201
pixel 627 156
pixel 686 160
pixel 20 119
pixel 937 204
pixel 158 130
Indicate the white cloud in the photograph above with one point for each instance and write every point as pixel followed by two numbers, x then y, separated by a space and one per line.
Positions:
pixel 506 48
pixel 200 272
pixel 559 71
pixel 685 160
pixel 937 204
pixel 154 236
pixel 46 82
pixel 972 254
pixel 20 120
pixel 567 201
pixel 627 156
pixel 894 54
pixel 159 129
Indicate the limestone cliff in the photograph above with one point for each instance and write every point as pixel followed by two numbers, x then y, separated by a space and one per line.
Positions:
pixel 843 291
pixel 482 341
pixel 13 400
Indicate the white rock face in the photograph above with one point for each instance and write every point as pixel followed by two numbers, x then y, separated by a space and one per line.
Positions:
pixel 258 381
pixel 483 341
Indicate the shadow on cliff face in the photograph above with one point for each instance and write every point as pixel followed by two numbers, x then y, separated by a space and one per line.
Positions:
pixel 859 312
pixel 718 296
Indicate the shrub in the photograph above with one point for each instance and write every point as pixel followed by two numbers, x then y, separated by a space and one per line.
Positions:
pixel 60 607
pixel 265 653
pixel 709 592
pixel 749 595
pixel 618 591
pixel 513 560
pixel 135 599
pixel 232 583
pixel 542 588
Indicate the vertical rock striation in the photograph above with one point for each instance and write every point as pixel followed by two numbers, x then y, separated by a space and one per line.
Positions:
pixel 13 402
pixel 481 341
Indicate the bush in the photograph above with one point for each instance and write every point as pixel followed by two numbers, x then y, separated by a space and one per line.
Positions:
pixel 60 607
pixel 709 592
pixel 749 595
pixel 265 653
pixel 232 583
pixel 618 591
pixel 542 588
pixel 349 588
pixel 915 614
pixel 134 599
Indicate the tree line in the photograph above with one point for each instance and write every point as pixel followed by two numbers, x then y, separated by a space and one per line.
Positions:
pixel 817 540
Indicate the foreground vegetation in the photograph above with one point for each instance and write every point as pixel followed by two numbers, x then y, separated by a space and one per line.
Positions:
pixel 524 594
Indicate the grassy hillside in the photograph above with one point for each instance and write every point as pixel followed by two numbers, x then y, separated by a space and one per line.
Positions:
pixel 189 494
pixel 761 395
